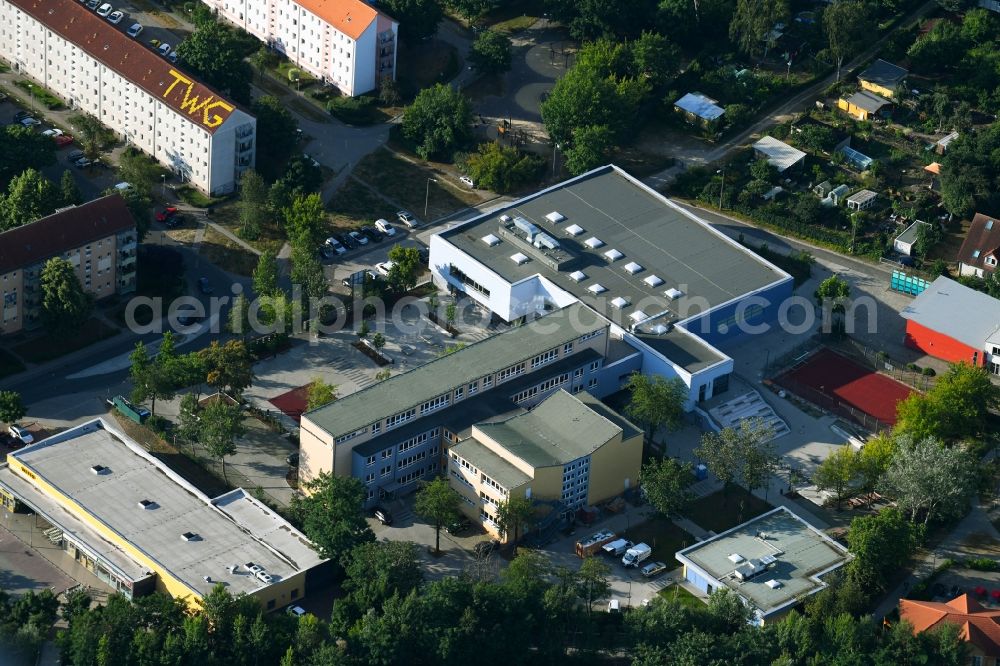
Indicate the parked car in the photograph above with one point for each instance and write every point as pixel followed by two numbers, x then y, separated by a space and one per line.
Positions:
pixel 384 267
pixel 92 4
pixel 468 181
pixel 653 569
pixel 406 218
pixel 636 554
pixel 83 163
pixel 204 286
pixel 164 49
pixel 55 131
pixel 382 515
pixel 116 17
pixel 134 30
pixel 292 459
pixel 459 526
pixel 326 252
pixel 28 121
pixel 21 434
pixel 154 43
pixel 385 227
pixel 335 245
pixel 486 548
pixel 63 140
pixel 19 115
pixel 372 234
pixel 358 238
pixel 346 241
pixel 172 56
pixel 297 611
pixel 166 214
pixel 75 155
pixel 425 254
pixel 104 10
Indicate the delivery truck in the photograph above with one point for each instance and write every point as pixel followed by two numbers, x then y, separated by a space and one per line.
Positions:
pixel 636 554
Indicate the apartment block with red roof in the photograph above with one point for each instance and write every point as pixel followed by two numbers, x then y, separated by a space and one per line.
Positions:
pixel 98 238
pixel 345 43
pixel 978 626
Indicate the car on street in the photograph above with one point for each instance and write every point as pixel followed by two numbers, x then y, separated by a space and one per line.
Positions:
pixel 164 49
pixel 28 121
pixel 384 267
pixel 204 286
pixel 459 526
pixel 372 234
pixel 104 10
pixel 296 611
pixel 21 434
pixel 486 548
pixel 468 181
pixel 358 238
pixel 386 228
pixel 335 245
pixel 382 515
pixel 406 218
pixel 653 569
pixel 116 17
pixel 134 30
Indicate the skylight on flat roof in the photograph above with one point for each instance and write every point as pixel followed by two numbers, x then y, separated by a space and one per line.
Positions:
pixel 577 276
pixel 654 281
pixel 989 224
pixel 597 288
pixel 613 255
pixel 490 240
pixel 593 242
pixel 574 230
pixel 633 267
pixel 619 302
pixel 638 316
pixel 519 258
pixel 555 217
pixel 673 293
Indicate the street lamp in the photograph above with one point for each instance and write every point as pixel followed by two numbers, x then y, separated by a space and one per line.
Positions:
pixel 163 187
pixel 722 186
pixel 31 93
pixel 427 195
pixel 555 148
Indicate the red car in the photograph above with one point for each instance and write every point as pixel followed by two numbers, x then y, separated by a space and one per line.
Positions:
pixel 166 214
pixel 63 140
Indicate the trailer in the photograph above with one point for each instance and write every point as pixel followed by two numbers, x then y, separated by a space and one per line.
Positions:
pixel 593 543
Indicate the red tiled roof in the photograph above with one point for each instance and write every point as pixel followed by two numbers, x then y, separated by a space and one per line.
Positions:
pixel 978 625
pixel 987 241
pixel 137 63
pixel 65 230
pixel 351 17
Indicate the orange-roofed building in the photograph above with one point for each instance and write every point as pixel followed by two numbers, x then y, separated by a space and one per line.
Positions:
pixel 345 43
pixel 978 626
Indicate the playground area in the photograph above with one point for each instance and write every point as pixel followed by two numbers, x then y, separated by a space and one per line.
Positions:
pixel 840 385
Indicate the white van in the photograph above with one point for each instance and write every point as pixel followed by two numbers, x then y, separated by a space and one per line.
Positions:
pixel 614 606
pixel 617 547
pixel 636 554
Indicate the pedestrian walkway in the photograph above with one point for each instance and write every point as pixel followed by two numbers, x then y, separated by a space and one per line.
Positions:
pixel 692 528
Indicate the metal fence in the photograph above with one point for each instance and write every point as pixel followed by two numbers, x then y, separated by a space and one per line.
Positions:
pixel 879 361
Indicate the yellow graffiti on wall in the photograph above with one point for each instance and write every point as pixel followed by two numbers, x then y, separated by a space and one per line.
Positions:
pixel 192 104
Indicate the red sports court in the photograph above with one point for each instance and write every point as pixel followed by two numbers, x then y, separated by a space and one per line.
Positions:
pixel 830 378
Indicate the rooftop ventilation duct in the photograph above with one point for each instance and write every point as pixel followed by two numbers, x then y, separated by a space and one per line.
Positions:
pixel 542 239
pixel 527 227
pixel 190 536
pixel 147 504
pixel 99 469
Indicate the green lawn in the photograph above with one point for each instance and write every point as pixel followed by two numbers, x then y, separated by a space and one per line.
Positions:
pixel 193 197
pixel 718 512
pixel 47 347
pixel 9 365
pixel 662 536
pixel 676 592
pixel 407 183
pixel 40 94
pixel 228 215
pixel 355 205
pixel 226 254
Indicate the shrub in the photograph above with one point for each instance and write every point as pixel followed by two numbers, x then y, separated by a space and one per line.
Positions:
pixel 354 110
pixel 983 564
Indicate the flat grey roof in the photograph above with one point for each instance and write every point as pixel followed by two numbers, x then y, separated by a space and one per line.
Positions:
pixel 416 386
pixel 883 73
pixel 862 196
pixel 909 235
pixel 665 241
pixel 683 348
pixel 802 556
pixel 868 101
pixel 952 309
pixel 556 431
pixel 131 475
pixel 490 463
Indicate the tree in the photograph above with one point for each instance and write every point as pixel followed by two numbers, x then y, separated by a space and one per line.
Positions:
pixel 138 170
pixel 882 545
pixel 378 342
pixel 753 20
pixel 11 407
pixel 928 478
pixel 588 20
pixel 655 57
pixel 91 135
pixel 837 471
pixel 277 135
pixel 239 316
pixel 590 149
pixel 438 122
pixel 65 306
pixel 846 25
pixel 154 378
pixel 253 204
pixel 873 462
pixel 307 272
pixel 221 426
pixel 188 421
pixel 955 408
pixel 265 275
pixel 655 402
pixel 364 329
pixel 592 581
pixel 30 196
pixel 586 97
pixel 405 268
pixel 22 148
pixel 666 483
pixel 512 514
pixel 833 292
pixel 388 91
pixel 216 52
pixel 502 168
pixel 228 367
pixel 70 192
pixel 320 393
pixel 726 453
pixel 331 515
pixel 376 571
pixel 437 502
pixel 305 221
pixel 490 53
pixel 418 19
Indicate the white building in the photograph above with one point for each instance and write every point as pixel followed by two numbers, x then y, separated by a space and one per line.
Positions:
pixel 345 43
pixel 670 286
pixel 144 98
